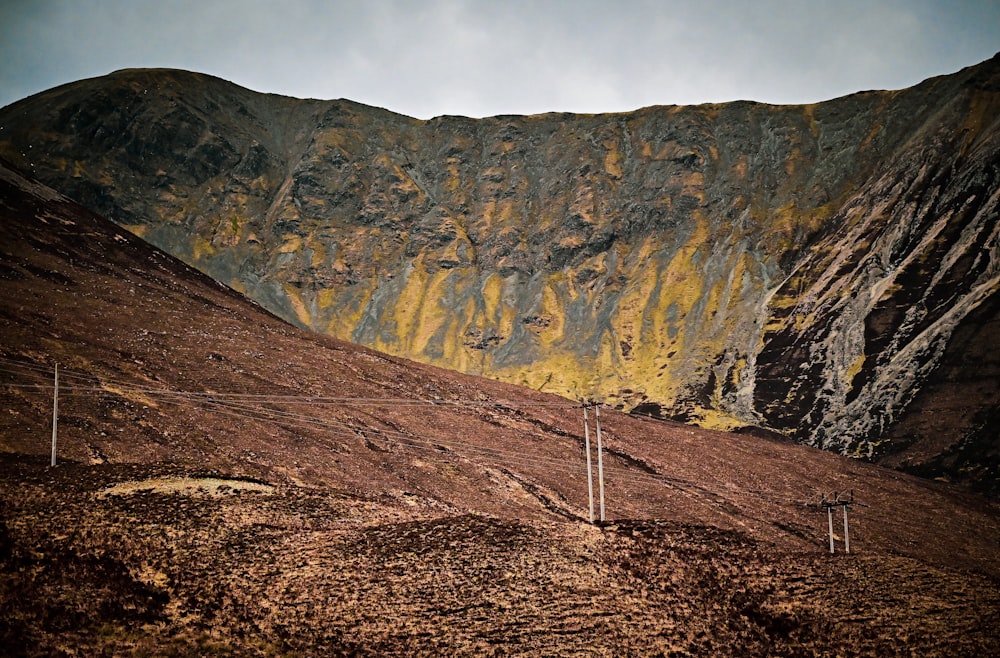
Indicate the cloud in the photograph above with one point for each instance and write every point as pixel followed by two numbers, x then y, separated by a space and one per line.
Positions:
pixel 479 57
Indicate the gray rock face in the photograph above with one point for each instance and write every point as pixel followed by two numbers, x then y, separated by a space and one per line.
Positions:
pixel 829 271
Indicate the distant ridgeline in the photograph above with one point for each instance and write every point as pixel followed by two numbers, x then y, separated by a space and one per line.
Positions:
pixel 829 271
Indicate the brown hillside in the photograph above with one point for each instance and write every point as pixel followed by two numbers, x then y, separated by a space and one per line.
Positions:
pixel 228 483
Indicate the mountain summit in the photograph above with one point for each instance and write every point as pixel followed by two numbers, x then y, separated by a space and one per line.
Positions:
pixel 830 272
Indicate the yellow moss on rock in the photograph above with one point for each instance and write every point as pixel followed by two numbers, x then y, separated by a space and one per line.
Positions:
pixel 853 370
pixel 201 249
pixel 298 304
pixel 612 158
pixel 292 243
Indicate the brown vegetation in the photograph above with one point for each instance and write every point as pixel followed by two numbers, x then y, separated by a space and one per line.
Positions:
pixel 231 485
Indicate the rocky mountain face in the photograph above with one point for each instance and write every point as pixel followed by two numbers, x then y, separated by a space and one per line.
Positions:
pixel 228 484
pixel 826 271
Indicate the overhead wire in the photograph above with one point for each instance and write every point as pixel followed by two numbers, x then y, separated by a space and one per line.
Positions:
pixel 231 405
pixel 289 398
pixel 246 407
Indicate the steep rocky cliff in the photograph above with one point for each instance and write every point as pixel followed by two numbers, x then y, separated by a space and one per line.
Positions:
pixel 827 271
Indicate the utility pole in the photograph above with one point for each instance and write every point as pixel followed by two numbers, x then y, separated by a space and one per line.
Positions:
pixel 829 518
pixel 600 457
pixel 838 499
pixel 55 414
pixel 590 472
pixel 847 536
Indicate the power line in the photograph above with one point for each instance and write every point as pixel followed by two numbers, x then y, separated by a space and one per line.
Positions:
pixel 247 406
pixel 289 398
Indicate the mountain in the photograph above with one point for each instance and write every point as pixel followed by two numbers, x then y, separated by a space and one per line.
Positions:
pixel 828 271
pixel 229 484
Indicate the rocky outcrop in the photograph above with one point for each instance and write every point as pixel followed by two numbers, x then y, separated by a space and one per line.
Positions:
pixel 827 271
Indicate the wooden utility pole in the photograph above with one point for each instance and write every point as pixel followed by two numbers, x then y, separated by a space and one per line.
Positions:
pixel 829 518
pixel 55 414
pixel 590 473
pixel 847 536
pixel 600 458
pixel 842 501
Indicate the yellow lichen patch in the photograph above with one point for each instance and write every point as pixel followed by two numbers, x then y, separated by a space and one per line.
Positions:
pixel 318 252
pixel 405 309
pixel 612 158
pixel 716 420
pixel 432 316
pixel 344 315
pixel 456 251
pixel 339 264
pixel 454 179
pixel 737 370
pixel 497 213
pixel 488 214
pixel 628 319
pixel 854 369
pixel 333 141
pixel 681 286
pixel 570 242
pixel 667 151
pixel 492 288
pixel 261 186
pixel 291 243
pixel 60 164
pixel 452 347
pixel 201 249
pixel 298 305
pixel 561 372
pixel 607 364
pixel 499 313
pixel 693 184
pixel 494 173
pixel 227 231
pixel 405 187
pixel 710 111
pixel 553 312
pixel 595 266
pixel 326 298
pixel 105 177
pixel 790 222
pixel 416 315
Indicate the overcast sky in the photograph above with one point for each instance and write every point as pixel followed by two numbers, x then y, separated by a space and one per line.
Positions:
pixel 478 58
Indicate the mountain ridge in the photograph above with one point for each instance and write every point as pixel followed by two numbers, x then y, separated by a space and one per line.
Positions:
pixel 685 261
